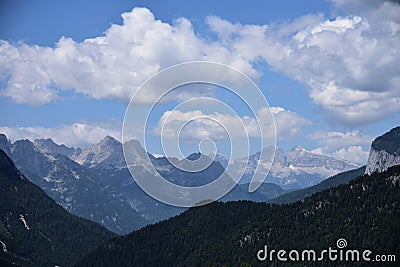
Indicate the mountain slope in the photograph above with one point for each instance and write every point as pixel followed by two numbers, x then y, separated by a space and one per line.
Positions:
pixel 37 231
pixel 78 189
pixel 341 178
pixel 365 212
pixel 5 145
pixel 265 192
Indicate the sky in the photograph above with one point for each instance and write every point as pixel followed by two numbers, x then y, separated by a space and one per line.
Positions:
pixel 328 69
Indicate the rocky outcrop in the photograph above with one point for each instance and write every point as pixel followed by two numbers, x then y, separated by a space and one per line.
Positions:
pixel 384 152
pixel 380 161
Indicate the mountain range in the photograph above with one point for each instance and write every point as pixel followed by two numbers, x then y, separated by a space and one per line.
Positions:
pixel 295 168
pixel 362 208
pixel 94 182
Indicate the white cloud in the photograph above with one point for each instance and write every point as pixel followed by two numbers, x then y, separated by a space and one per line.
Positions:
pixel 288 123
pixel 196 125
pixel 109 66
pixel 193 126
pixel 349 146
pixel 335 140
pixel 355 154
pixel 349 63
pixel 76 135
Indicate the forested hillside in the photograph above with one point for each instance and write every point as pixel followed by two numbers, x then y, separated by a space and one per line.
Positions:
pixel 365 212
pixel 35 230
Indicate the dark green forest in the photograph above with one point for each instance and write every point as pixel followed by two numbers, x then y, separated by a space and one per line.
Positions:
pixel 296 195
pixel 365 212
pixel 54 237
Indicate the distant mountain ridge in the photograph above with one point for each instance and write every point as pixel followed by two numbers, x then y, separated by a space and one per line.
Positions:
pixel 95 183
pixel 47 145
pixel 295 168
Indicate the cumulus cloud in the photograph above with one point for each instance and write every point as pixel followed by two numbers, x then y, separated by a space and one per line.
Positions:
pixel 109 66
pixel 355 154
pixel 193 126
pixel 335 140
pixel 75 135
pixel 288 123
pixel 349 63
pixel 343 145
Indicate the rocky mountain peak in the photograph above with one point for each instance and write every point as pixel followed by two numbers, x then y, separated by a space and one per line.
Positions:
pixel 293 168
pixel 104 155
pixel 23 144
pixel 49 146
pixel 109 141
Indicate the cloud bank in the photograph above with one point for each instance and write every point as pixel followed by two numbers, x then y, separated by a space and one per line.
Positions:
pixel 349 64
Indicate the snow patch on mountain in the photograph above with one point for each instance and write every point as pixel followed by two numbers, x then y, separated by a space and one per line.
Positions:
pixel 3 246
pixel 22 218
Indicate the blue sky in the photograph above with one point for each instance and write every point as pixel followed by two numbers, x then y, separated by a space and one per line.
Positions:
pixel 327 68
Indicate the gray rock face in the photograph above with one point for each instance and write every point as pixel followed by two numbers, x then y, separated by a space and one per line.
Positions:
pixel 385 152
pixel 48 146
pixel 104 155
pixel 379 161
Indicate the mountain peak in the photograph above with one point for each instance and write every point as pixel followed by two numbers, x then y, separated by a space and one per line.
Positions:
pixel 3 137
pixel 47 141
pixel 106 154
pixel 49 146
pixel 109 140
pixel 24 143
